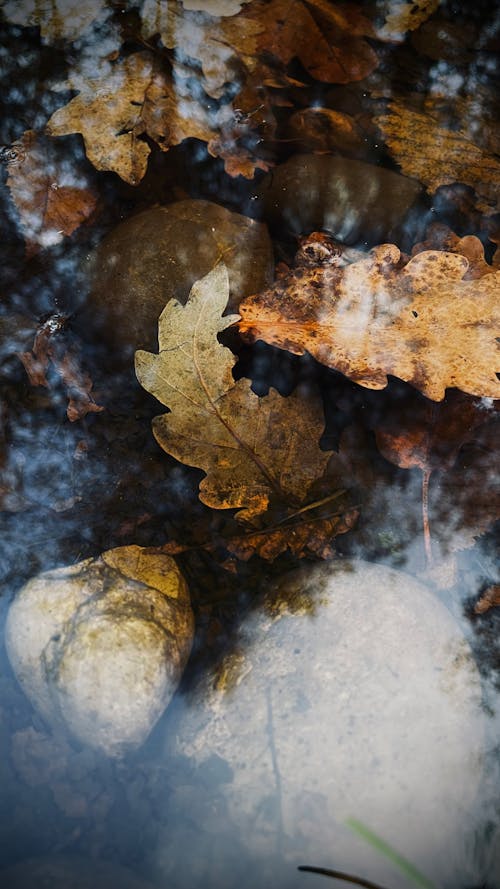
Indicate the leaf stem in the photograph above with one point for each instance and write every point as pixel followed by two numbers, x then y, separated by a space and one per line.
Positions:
pixel 314 505
pixel 426 475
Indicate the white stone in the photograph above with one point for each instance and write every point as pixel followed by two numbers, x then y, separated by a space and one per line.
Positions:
pixel 367 707
pixel 99 647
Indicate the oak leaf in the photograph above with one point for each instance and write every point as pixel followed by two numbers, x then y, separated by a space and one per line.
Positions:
pixel 439 236
pixel 421 322
pixel 133 99
pixel 436 155
pixel 52 199
pixel 328 40
pixel 252 449
pixel 313 537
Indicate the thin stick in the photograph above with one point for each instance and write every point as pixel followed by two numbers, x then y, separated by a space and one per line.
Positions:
pixel 339 875
pixel 426 475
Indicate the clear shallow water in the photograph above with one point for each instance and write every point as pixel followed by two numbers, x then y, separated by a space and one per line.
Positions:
pixel 66 500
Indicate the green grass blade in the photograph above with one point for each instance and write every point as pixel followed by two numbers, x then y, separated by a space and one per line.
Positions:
pixel 381 846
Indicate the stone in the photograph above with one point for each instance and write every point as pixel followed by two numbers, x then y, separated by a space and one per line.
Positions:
pixel 157 255
pixel 65 871
pixel 354 696
pixel 99 647
pixel 355 201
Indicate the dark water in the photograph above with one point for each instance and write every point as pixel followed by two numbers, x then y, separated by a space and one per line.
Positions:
pixel 72 490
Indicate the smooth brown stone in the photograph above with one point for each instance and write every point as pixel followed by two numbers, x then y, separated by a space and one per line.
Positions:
pixel 158 255
pixel 354 201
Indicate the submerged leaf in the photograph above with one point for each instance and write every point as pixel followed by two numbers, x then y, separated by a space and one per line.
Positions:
pixel 52 199
pixel 57 19
pixel 421 323
pixel 251 448
pixel 437 156
pixel 113 111
pixel 401 16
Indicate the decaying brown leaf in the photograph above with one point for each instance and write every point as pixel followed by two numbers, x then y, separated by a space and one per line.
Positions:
pixel 47 353
pixel 252 449
pixel 51 198
pixel 429 435
pixel 438 156
pixel 420 322
pixel 489 599
pixel 328 40
pixel 441 237
pixel 325 37
pixel 322 129
pixel 114 111
pixel 464 502
pixel 311 537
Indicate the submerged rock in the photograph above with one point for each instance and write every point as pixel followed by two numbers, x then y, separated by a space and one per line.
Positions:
pixel 353 200
pixel 158 255
pixel 99 647
pixel 355 696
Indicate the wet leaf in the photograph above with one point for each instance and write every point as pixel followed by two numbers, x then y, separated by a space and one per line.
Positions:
pixel 215 7
pixel 322 129
pixel 326 39
pixel 133 99
pixel 251 448
pixel 57 19
pixel 51 197
pixel 440 237
pixel 464 501
pixel 221 46
pixel 421 322
pixel 47 353
pixel 438 156
pixel 429 435
pixel 400 16
pixel 489 599
pixel 310 537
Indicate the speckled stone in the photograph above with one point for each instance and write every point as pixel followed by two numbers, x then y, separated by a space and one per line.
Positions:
pixel 99 647
pixel 356 698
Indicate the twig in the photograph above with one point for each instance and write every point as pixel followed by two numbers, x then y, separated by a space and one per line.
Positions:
pixel 339 875
pixel 426 474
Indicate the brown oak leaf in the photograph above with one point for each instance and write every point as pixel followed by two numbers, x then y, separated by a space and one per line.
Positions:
pixel 436 155
pixel 114 110
pixel 374 317
pixel 51 198
pixel 439 236
pixel 252 449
